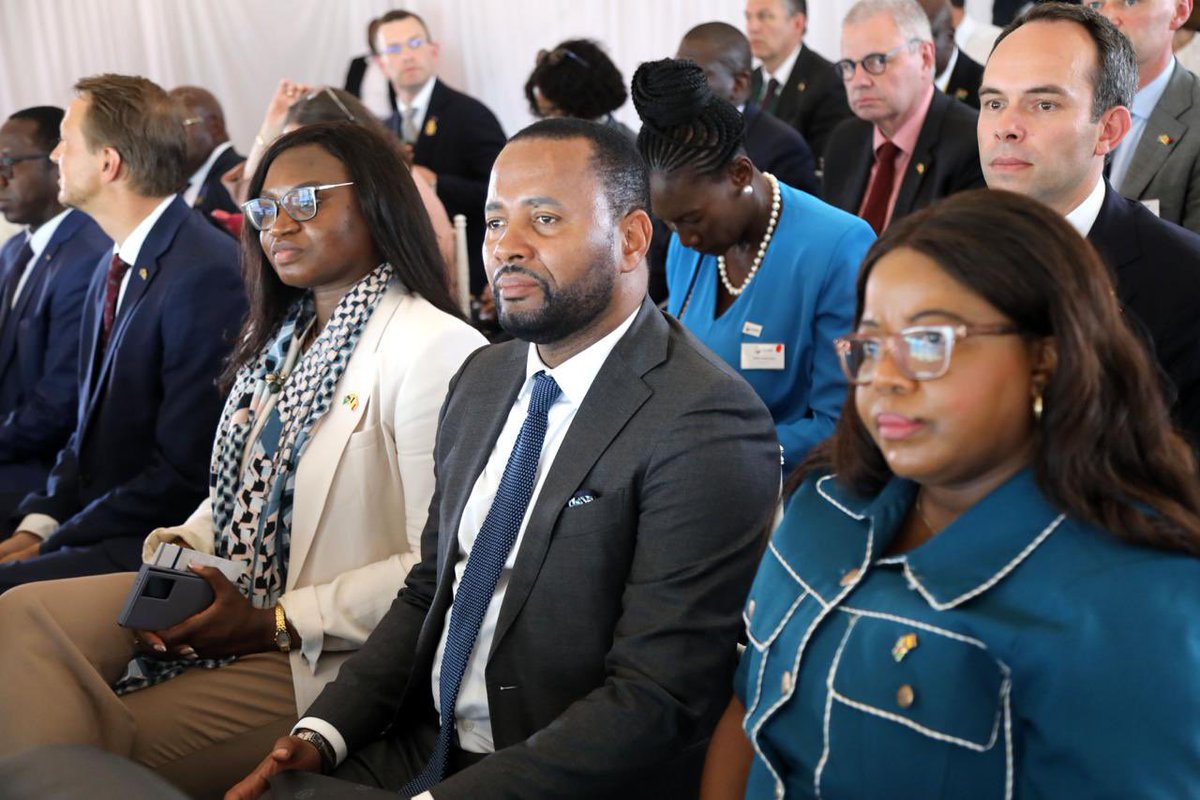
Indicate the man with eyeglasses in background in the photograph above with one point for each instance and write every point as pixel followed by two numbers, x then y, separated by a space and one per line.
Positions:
pixel 210 154
pixel 794 82
pixel 452 137
pixel 159 318
pixel 44 274
pixel 909 144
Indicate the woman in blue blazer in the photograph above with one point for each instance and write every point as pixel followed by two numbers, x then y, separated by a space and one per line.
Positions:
pixel 760 272
pixel 986 583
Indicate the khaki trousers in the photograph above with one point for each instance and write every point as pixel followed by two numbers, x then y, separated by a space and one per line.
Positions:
pixel 60 652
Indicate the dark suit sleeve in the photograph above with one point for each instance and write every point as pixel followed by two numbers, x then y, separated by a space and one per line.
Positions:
pixel 366 696
pixel 670 667
pixel 40 425
pixel 200 319
pixel 796 167
pixel 482 141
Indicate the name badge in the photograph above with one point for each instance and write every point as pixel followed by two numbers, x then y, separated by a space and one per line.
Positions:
pixel 751 329
pixel 1153 204
pixel 762 356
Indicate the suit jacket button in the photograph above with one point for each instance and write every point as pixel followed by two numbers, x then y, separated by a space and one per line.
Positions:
pixel 750 610
pixel 905 696
pixel 850 577
pixel 786 682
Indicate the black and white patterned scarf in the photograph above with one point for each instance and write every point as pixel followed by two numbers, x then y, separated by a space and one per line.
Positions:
pixel 252 509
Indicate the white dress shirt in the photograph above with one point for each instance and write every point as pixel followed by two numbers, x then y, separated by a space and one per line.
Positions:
pixel 201 175
pixel 37 244
pixel 943 80
pixel 420 104
pixel 1143 106
pixel 782 73
pixel 575 377
pixel 43 525
pixel 1084 215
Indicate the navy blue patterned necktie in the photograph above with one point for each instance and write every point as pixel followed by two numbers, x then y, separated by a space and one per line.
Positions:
pixel 492 546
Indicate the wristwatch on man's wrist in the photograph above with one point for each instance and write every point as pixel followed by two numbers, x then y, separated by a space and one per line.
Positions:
pixel 328 756
pixel 283 639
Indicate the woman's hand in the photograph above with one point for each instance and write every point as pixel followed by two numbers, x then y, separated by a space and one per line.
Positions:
pixel 230 626
pixel 286 94
pixel 20 546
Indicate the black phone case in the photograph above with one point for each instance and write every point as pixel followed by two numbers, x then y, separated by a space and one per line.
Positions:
pixel 162 597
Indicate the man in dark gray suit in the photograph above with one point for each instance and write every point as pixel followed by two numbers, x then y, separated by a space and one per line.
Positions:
pixel 602 484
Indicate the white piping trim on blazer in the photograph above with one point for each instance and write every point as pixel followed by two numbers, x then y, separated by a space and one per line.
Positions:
pixel 916 624
pixel 796 577
pixel 842 508
pixel 767 642
pixel 837 659
pixel 825 609
pixel 990 582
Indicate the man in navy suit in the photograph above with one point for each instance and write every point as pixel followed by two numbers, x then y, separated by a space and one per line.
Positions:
pixel 158 321
pixel 209 153
pixel 453 137
pixel 723 52
pixel 1055 98
pixel 44 274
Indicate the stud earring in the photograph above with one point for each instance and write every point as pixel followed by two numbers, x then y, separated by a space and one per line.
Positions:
pixel 1037 406
pixel 748 189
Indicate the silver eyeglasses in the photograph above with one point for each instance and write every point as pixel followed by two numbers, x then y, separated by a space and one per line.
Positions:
pixel 299 203
pixel 921 353
pixel 872 63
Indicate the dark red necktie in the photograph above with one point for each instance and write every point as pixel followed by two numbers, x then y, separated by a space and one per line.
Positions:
pixel 771 95
pixel 116 271
pixel 876 208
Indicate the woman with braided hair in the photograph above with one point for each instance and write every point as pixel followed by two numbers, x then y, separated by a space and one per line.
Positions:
pixel 760 272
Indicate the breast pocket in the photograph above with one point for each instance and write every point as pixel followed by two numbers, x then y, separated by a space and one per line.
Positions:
pixel 926 706
pixel 777 614
pixel 585 519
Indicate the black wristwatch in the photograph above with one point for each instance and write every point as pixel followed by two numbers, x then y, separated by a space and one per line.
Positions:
pixel 328 756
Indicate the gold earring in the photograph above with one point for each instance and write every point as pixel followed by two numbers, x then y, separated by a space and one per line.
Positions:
pixel 1037 406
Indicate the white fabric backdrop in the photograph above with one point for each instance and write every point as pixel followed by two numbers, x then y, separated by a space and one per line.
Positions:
pixel 239 49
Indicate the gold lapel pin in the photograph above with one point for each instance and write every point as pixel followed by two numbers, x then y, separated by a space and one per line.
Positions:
pixel 961 94
pixel 904 645
pixel 801 86
pixel 431 126
pixel 142 273
pixel 921 168
pixel 351 400
pixel 1164 139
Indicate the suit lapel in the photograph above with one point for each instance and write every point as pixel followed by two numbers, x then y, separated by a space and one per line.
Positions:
pixel 854 188
pixel 1163 130
pixel 792 93
pixel 141 275
pixel 616 394
pixel 1115 237
pixel 423 149
pixel 332 433
pixel 921 163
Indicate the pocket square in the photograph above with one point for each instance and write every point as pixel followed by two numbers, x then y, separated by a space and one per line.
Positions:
pixel 582 498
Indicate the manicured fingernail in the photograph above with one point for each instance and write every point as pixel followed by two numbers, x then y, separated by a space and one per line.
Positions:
pixel 161 648
pixel 187 651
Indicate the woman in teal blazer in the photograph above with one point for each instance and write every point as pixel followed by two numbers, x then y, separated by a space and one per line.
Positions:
pixel 985 585
pixel 760 272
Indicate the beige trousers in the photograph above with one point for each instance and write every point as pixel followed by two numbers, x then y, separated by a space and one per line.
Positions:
pixel 60 651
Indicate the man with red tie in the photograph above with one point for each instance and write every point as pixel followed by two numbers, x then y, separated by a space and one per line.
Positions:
pixel 157 324
pixel 908 144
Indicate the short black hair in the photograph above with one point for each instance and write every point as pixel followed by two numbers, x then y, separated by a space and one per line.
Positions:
pixel 733 45
pixel 46 121
pixel 796 7
pixel 397 15
pixel 615 160
pixel 579 78
pixel 1115 76
pixel 684 125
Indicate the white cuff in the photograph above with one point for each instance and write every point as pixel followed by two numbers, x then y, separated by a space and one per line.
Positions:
pixel 329 732
pixel 300 606
pixel 194 540
pixel 40 525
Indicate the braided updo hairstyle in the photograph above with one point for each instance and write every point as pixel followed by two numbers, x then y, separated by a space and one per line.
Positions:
pixel 683 123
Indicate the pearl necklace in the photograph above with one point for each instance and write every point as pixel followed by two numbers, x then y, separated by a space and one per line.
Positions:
pixel 762 247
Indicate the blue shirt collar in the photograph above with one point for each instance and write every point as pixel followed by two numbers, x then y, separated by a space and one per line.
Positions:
pixel 1145 101
pixel 967 558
